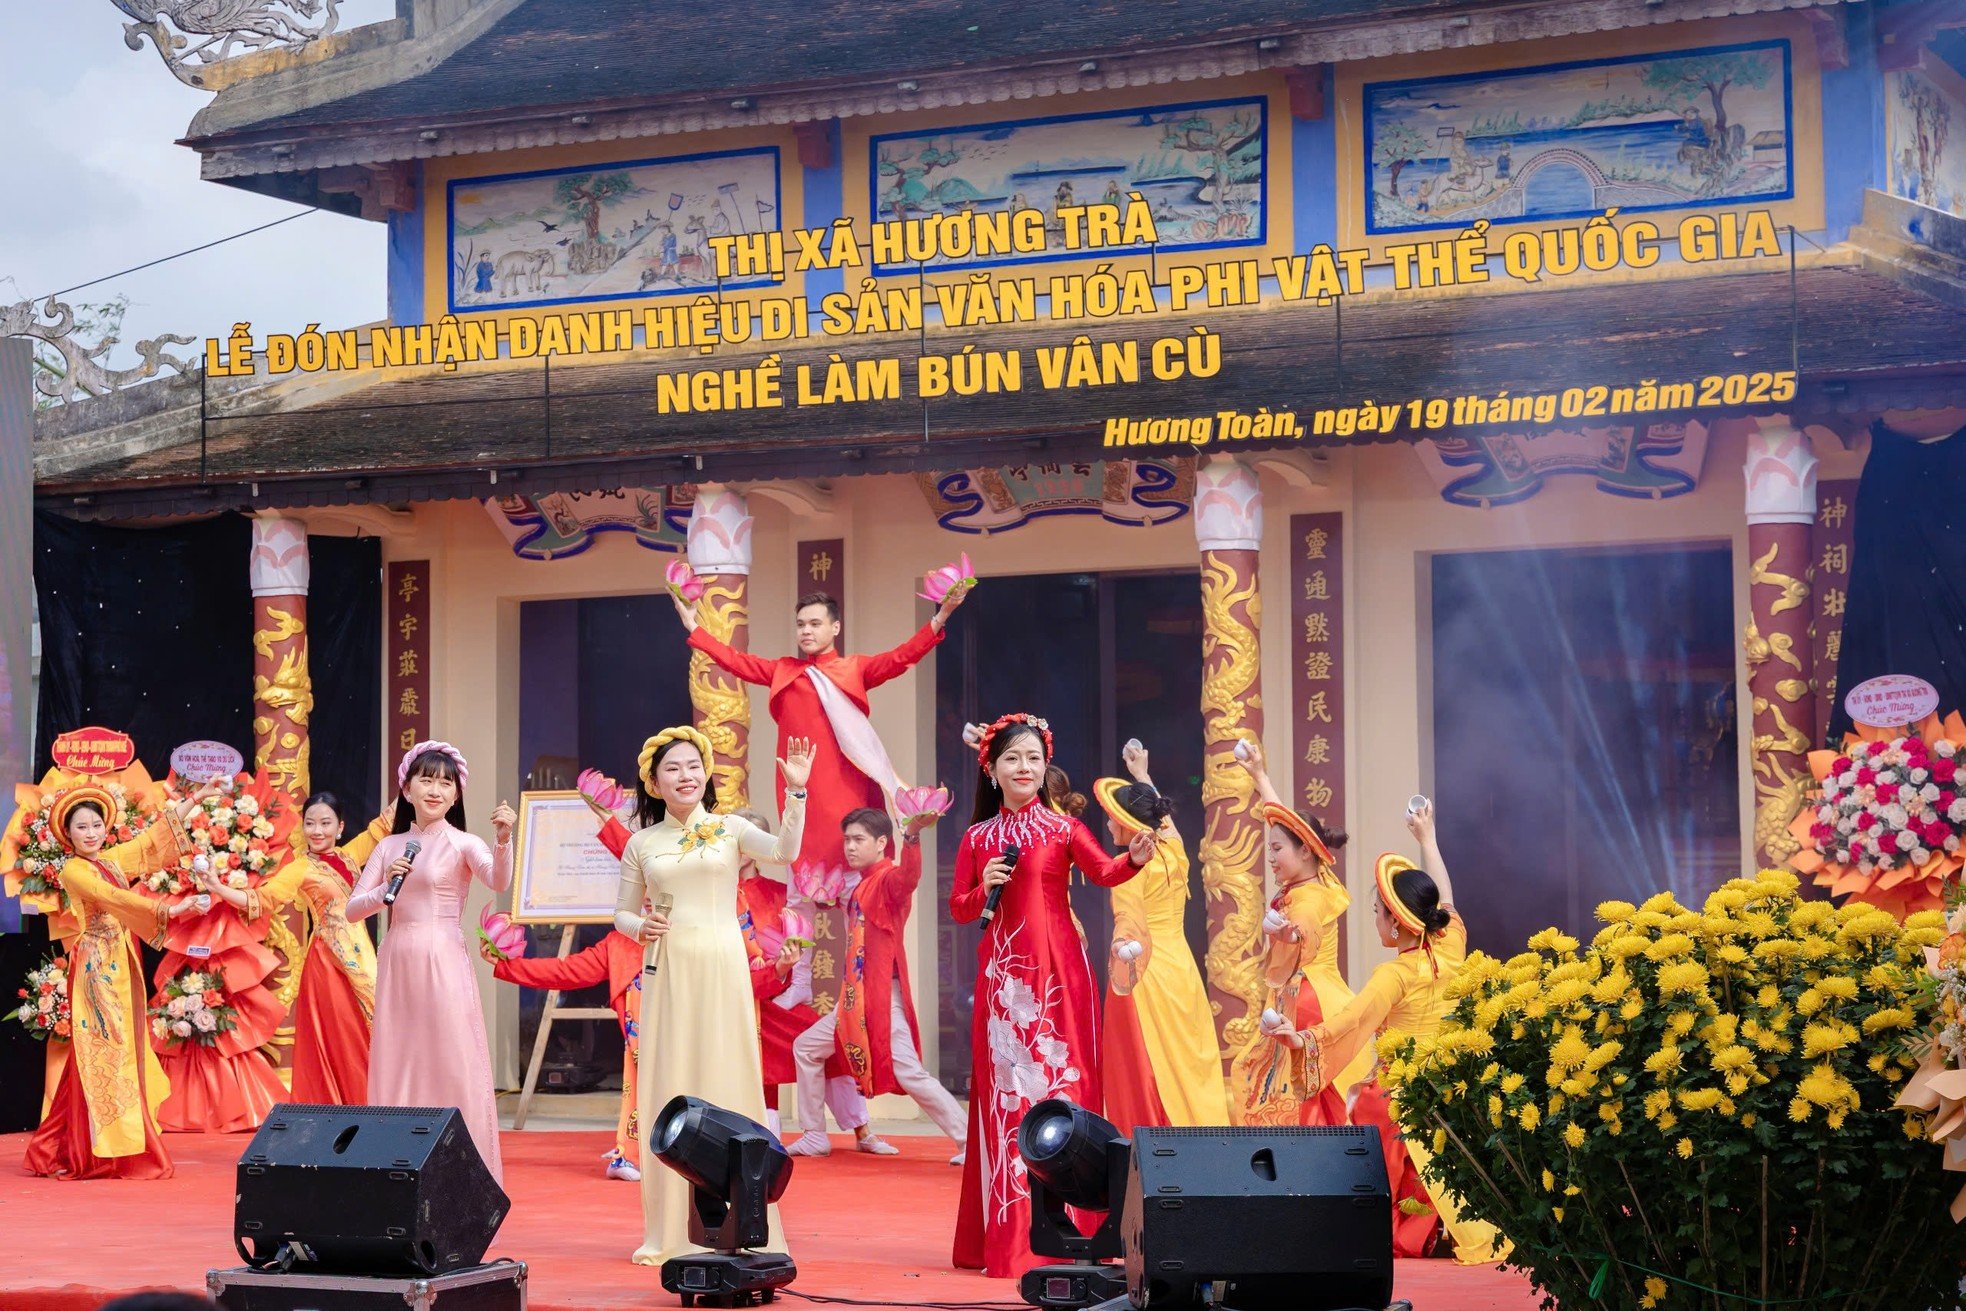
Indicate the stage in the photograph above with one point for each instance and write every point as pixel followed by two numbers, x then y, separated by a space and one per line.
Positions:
pixel 876 1229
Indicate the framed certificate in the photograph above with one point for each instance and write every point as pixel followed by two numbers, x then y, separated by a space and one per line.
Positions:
pixel 563 874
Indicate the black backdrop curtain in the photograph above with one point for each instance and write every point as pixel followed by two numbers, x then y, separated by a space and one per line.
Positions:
pixel 146 630
pixel 1906 610
pixel 344 654
pixel 149 631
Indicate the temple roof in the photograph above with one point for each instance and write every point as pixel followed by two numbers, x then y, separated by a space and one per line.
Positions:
pixel 505 74
pixel 1863 342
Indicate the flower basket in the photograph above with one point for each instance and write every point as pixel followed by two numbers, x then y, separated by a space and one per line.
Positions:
pixel 242 835
pixel 1698 1110
pixel 1889 817
pixel 44 1005
pixel 192 1009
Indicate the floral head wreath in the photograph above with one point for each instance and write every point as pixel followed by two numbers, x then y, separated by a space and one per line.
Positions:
pixel 66 802
pixel 990 735
pixel 645 763
pixel 444 748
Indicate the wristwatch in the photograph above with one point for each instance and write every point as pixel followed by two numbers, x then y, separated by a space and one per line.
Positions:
pixel 795 794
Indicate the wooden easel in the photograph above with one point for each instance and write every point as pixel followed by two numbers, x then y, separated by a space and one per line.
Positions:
pixel 554 1011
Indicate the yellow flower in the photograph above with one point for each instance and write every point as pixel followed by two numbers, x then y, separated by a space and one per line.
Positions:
pixel 1734 954
pixel 1681 976
pixel 1823 1037
pixel 1615 912
pixel 1440 1141
pixel 1573 1135
pixel 1685 1149
pixel 1889 1017
pixel 1511 1081
pixel 1529 1116
pixel 1553 940
pixel 1569 1051
pixel 1681 1023
pixel 1731 1057
pixel 1655 1288
pixel 1660 903
pixel 1557 1213
pixel 1663 1062
pixel 1549 1182
pixel 1701 1099
pixel 1837 986
pixel 1667 1121
pixel 1670 947
pixel 1634 1006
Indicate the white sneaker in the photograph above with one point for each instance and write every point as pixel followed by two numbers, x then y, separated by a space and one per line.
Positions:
pixel 960 1158
pixel 620 1167
pixel 771 1123
pixel 810 1143
pixel 876 1146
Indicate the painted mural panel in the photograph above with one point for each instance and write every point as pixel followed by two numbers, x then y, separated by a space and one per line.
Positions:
pixel 1927 164
pixel 1688 127
pixel 607 232
pixel 1202 167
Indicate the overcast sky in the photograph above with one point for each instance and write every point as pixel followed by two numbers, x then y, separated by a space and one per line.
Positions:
pixel 96 182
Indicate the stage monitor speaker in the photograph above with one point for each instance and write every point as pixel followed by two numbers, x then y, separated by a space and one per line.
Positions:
pixel 372 1190
pixel 1259 1219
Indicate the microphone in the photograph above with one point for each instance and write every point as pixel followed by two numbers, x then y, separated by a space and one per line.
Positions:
pixel 661 903
pixel 1011 854
pixel 410 849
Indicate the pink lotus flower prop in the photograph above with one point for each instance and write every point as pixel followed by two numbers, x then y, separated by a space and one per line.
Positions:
pixel 601 790
pixel 909 803
pixel 683 581
pixel 497 931
pixel 798 929
pixel 818 884
pixel 938 583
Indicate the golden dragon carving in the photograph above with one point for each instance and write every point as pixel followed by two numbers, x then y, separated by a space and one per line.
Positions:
pixel 722 704
pixel 1232 843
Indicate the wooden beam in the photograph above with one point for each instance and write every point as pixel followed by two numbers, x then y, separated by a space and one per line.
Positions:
pixel 1904 31
pixel 1306 85
pixel 816 142
pixel 383 189
pixel 1832 46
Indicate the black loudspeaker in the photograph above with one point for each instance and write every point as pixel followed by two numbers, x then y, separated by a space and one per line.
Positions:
pixel 370 1190
pixel 1258 1219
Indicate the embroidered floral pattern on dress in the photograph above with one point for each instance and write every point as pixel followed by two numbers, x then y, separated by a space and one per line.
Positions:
pixel 1031 1061
pixel 701 835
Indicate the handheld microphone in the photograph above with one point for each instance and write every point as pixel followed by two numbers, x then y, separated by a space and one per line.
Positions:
pixel 661 903
pixel 396 884
pixel 1011 854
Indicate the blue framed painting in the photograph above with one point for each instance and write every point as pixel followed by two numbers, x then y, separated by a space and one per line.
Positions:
pixel 1701 128
pixel 618 231
pixel 1203 167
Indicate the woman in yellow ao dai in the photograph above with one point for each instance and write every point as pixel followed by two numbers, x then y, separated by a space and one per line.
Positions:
pixel 698 1017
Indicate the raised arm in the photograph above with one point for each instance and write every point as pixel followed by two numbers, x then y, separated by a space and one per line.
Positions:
pixel 358 849
pixel 1259 770
pixel 1422 827
pixel 890 665
pixel 741 665
pixel 490 862
pixel 782 849
pixel 897 890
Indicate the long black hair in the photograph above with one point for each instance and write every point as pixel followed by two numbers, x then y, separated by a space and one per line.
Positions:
pixel 989 799
pixel 1418 892
pixel 431 764
pixel 649 807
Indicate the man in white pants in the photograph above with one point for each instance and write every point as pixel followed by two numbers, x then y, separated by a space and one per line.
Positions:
pixel 874 1020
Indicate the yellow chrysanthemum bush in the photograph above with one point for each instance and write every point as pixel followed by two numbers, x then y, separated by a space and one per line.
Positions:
pixel 1696 1110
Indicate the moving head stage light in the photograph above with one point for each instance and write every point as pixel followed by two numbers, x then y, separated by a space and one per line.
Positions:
pixel 1074 1159
pixel 735 1168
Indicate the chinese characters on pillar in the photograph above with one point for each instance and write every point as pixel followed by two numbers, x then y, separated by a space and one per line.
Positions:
pixel 1834 541
pixel 406 647
pixel 822 568
pixel 1317 660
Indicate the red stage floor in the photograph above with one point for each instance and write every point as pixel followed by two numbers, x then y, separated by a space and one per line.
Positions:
pixel 860 1227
